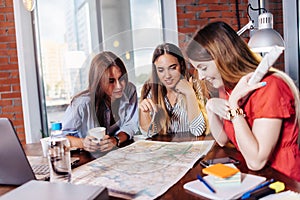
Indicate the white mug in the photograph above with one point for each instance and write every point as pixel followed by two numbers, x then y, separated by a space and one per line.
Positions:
pixel 98 132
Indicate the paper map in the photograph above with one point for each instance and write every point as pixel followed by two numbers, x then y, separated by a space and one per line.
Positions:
pixel 142 170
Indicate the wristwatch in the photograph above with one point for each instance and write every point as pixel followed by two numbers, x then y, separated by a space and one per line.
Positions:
pixel 232 113
pixel 117 140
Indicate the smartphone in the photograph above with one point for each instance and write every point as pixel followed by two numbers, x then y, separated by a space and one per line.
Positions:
pixel 224 160
pixel 74 161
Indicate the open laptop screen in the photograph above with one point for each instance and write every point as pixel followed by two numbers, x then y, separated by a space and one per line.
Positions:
pixel 14 168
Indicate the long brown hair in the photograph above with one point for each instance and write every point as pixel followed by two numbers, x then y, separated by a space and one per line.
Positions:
pixel 97 75
pixel 219 42
pixel 158 90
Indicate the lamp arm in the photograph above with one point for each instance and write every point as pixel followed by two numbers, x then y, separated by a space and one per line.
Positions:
pixel 246 27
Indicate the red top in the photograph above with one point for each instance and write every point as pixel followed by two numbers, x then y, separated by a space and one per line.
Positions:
pixel 275 100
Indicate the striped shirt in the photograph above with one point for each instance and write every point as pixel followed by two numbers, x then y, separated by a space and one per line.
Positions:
pixel 179 118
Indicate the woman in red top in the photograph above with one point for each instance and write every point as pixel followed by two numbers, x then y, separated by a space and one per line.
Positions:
pixel 262 119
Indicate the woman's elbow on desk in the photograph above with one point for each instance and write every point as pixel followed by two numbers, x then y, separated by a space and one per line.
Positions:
pixel 256 165
pixel 221 140
pixel 221 144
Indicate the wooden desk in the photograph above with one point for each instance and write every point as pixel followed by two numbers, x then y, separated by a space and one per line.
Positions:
pixel 177 191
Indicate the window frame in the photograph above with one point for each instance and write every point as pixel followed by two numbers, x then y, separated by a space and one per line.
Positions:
pixel 291 30
pixel 28 73
pixel 29 63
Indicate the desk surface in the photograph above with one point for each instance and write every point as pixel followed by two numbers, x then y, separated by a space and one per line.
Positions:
pixel 177 191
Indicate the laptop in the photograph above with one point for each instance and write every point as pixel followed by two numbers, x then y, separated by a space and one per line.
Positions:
pixel 15 168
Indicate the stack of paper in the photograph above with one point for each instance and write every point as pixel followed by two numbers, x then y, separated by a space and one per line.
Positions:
pixel 286 195
pixel 234 179
pixel 224 173
pixel 220 170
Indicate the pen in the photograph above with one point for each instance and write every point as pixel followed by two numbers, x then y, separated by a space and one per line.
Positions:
pixel 247 194
pixel 205 183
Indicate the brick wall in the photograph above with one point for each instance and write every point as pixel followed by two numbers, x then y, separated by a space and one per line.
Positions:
pixel 194 14
pixel 10 94
pixel 191 15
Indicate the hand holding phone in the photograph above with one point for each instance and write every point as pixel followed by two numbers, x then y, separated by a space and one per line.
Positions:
pixel 265 64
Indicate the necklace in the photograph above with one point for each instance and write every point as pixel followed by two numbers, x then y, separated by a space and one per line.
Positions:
pixel 172 99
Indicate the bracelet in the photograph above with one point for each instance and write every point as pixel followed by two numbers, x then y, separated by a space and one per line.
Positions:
pixel 232 113
pixel 117 140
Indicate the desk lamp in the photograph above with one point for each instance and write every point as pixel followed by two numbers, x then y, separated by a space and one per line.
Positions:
pixel 265 38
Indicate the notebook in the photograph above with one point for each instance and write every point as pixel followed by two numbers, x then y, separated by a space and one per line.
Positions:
pixel 16 169
pixel 229 191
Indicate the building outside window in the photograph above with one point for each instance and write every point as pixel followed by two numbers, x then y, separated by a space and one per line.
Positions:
pixel 69 33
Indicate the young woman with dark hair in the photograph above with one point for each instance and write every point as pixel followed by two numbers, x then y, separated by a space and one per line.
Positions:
pixel 169 94
pixel 110 101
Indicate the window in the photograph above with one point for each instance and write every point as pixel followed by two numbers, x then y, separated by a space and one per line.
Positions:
pixel 291 13
pixel 67 35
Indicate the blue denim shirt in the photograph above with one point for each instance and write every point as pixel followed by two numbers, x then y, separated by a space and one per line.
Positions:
pixel 80 115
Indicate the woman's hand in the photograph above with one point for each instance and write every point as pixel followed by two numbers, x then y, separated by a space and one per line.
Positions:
pixel 107 143
pixel 75 142
pixel 147 105
pixel 92 144
pixel 185 87
pixel 218 106
pixel 217 109
pixel 242 89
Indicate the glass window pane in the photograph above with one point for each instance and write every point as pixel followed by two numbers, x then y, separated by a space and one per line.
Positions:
pixel 72 31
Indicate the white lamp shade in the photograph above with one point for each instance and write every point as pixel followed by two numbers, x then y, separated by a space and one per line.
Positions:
pixel 263 40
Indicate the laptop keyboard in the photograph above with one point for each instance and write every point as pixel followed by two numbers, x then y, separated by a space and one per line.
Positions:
pixel 42 169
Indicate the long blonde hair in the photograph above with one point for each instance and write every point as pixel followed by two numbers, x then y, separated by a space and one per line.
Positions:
pixel 295 92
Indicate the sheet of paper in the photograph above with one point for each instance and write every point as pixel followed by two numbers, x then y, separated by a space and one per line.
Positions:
pixel 286 195
pixel 230 191
pixel 144 169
